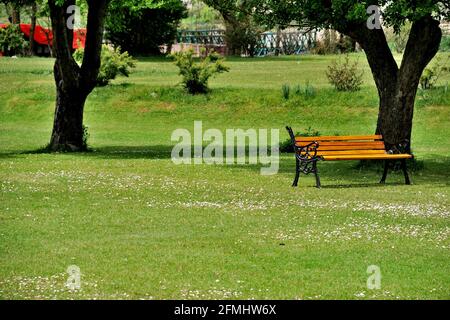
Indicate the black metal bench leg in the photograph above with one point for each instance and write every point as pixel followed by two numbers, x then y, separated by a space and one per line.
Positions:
pixel 385 172
pixel 297 173
pixel 405 172
pixel 316 173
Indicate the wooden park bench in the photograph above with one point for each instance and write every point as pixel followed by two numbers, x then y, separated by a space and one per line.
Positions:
pixel 310 150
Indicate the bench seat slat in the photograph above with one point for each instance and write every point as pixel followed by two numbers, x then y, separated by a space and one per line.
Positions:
pixel 349 152
pixel 340 138
pixel 343 148
pixel 341 143
pixel 367 157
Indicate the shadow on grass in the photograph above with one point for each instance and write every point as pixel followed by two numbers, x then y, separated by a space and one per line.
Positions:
pixel 436 169
pixel 357 185
pixel 155 152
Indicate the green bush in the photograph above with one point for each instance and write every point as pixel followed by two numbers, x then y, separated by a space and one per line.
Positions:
pixel 428 79
pixel 196 75
pixel 431 75
pixel 12 41
pixel 344 76
pixel 286 146
pixel 113 63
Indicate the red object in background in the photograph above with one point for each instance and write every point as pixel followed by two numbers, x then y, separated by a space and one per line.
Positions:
pixel 44 36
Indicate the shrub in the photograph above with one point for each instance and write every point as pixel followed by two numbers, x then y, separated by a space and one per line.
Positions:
pixel 113 63
pixel 344 76
pixel 431 75
pixel 286 146
pixel 196 75
pixel 12 41
pixel 427 79
pixel 86 136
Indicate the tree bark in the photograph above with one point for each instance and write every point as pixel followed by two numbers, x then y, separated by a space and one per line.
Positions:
pixel 278 41
pixel 68 130
pixel 74 83
pixel 15 13
pixel 33 27
pixel 395 121
pixel 232 32
pixel 397 87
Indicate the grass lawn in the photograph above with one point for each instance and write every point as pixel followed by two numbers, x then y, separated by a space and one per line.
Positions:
pixel 139 226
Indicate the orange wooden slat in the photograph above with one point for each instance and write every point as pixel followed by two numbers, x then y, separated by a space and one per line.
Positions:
pixel 368 157
pixel 344 148
pixel 340 138
pixel 349 152
pixel 341 143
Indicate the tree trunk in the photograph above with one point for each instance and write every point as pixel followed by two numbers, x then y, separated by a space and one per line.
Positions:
pixel 231 32
pixel 67 135
pixel 397 110
pixel 15 13
pixel 397 87
pixel 278 42
pixel 33 27
pixel 74 83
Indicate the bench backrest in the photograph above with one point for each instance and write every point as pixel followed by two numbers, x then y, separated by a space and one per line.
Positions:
pixel 345 145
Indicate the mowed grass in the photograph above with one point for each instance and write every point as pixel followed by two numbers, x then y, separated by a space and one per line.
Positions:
pixel 139 226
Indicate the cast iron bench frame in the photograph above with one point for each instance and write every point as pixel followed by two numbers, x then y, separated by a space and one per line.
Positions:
pixel 308 152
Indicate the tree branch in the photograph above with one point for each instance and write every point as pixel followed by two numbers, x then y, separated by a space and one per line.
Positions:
pixel 94 39
pixel 68 69
pixel 423 44
pixel 379 55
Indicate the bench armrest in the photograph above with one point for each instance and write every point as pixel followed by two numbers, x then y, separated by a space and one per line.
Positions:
pixel 307 153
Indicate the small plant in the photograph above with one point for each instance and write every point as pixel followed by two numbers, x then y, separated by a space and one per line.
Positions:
pixel 307 91
pixel 286 91
pixel 113 63
pixel 286 146
pixel 86 136
pixel 344 76
pixel 196 75
pixel 428 79
pixel 12 41
pixel 430 76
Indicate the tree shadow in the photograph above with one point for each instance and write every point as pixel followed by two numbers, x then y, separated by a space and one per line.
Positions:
pixel 153 152
pixel 357 185
pixel 436 169
pixel 8 155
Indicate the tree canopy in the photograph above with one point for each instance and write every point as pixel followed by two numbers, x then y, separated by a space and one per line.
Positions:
pixel 397 85
pixel 140 27
pixel 346 14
